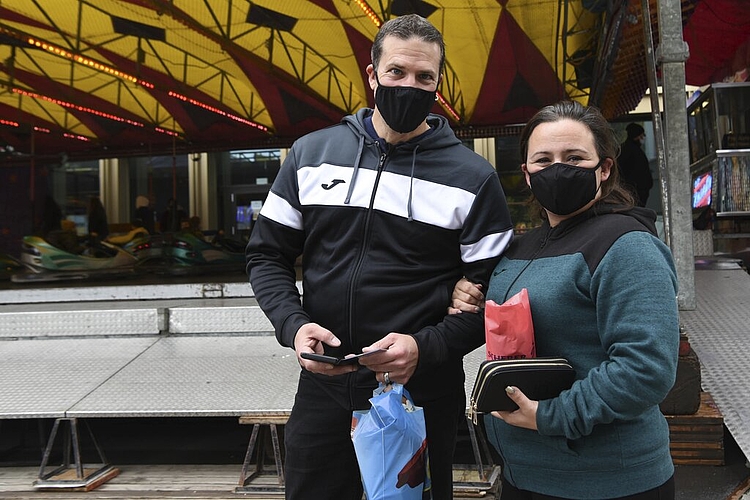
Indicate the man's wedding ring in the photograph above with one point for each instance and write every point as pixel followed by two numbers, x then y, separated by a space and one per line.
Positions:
pixel 386 378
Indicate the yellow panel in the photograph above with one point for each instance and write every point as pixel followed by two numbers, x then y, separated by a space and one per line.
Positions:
pixel 46 111
pixel 186 56
pixel 545 34
pixel 201 63
pixel 90 81
pixel 203 37
pixel 351 13
pixel 317 45
pixel 468 34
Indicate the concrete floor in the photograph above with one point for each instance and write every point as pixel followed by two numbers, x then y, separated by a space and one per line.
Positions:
pixel 711 482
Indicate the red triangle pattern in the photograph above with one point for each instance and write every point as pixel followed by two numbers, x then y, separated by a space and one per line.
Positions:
pixel 513 54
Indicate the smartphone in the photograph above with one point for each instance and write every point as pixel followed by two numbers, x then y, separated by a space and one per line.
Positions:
pixel 338 361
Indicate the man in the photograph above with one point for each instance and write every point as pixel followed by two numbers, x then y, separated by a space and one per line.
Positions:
pixel 633 163
pixel 391 210
pixel 144 214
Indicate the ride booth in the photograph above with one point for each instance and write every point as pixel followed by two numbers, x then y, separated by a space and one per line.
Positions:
pixel 719 138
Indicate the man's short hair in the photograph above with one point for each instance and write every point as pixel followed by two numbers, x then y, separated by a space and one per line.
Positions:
pixel 634 130
pixel 406 27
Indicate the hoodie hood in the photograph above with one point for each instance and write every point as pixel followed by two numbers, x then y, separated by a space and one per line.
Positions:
pixel 591 234
pixel 442 134
pixel 643 216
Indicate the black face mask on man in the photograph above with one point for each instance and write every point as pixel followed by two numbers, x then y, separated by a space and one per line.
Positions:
pixel 562 189
pixel 403 108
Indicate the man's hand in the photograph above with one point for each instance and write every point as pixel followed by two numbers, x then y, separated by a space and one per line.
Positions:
pixel 399 360
pixel 525 415
pixel 310 338
pixel 466 297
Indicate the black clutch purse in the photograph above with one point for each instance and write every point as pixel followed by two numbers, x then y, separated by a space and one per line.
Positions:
pixel 537 378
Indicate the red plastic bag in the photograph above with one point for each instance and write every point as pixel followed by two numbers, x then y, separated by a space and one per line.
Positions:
pixel 508 328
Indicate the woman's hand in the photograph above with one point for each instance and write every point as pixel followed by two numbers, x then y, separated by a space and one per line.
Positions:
pixel 466 297
pixel 525 415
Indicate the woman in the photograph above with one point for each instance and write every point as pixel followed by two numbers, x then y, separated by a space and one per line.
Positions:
pixel 98 226
pixel 602 289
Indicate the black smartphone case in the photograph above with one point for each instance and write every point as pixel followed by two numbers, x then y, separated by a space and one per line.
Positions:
pixel 537 378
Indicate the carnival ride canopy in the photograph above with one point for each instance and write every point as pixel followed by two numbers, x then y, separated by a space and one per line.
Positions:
pixel 104 78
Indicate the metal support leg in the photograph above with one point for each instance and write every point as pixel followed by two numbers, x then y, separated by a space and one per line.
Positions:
pixel 261 480
pixel 483 476
pixel 475 449
pixel 248 456
pixel 75 475
pixel 277 453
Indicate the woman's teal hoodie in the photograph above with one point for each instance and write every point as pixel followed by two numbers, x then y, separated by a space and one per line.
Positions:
pixel 603 294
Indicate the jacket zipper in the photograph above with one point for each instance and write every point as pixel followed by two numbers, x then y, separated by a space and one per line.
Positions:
pixel 360 259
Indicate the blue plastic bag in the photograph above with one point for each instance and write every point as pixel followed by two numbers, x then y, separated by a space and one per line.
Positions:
pixel 390 440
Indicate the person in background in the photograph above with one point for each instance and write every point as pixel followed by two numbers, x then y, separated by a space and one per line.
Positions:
pixel 98 226
pixel 144 215
pixel 633 163
pixel 602 289
pixel 391 210
pixel 194 227
pixel 51 217
pixel 173 217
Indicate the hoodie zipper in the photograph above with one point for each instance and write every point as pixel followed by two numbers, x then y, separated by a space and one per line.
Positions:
pixel 531 259
pixel 472 409
pixel 360 259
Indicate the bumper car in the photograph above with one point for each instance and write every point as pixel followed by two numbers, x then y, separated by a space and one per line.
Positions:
pixel 189 253
pixel 44 261
pixel 8 266
pixel 148 249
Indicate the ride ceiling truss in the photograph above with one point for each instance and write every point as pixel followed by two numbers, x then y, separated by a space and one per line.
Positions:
pixel 132 75
pixel 576 71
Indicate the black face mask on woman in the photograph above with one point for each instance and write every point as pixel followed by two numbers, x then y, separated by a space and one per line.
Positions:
pixel 403 108
pixel 562 189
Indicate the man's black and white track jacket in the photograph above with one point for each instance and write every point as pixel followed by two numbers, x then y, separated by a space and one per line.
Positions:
pixel 384 236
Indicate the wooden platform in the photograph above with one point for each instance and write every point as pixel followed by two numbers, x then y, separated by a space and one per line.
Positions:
pixel 698 439
pixel 68 479
pixel 142 482
pixel 155 482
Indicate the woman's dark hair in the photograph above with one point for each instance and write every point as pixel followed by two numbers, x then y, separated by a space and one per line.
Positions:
pixel 51 216
pixel 95 205
pixel 604 140
pixel 405 27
